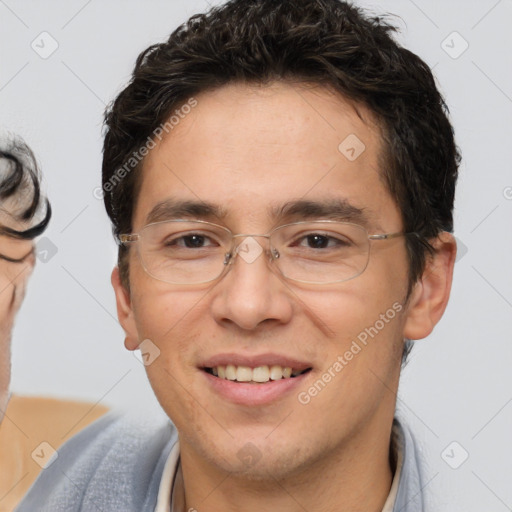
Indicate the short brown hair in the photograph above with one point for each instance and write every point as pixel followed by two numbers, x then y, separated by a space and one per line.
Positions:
pixel 327 42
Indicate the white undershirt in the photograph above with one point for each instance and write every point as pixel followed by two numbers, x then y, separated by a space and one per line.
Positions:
pixel 167 495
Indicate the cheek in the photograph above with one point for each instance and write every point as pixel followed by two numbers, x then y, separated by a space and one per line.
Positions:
pixel 161 312
pixel 363 321
pixel 176 323
pixel 343 311
pixel 361 351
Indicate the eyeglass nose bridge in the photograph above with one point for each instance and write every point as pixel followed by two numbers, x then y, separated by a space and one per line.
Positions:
pixel 247 251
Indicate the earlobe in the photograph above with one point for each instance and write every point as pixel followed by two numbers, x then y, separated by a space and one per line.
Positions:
pixel 431 293
pixel 125 311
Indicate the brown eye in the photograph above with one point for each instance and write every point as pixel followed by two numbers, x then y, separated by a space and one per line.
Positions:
pixel 321 241
pixel 317 241
pixel 191 241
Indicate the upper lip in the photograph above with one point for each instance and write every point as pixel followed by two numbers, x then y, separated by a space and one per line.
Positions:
pixel 253 361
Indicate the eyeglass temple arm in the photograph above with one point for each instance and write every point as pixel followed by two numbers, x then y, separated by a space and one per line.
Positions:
pixel 387 236
pixel 128 238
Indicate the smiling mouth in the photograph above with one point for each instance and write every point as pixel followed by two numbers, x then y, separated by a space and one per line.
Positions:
pixel 257 375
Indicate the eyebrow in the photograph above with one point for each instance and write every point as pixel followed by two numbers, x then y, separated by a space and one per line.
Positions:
pixel 330 209
pixel 170 209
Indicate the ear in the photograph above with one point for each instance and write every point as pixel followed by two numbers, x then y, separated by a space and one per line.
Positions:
pixel 125 311
pixel 432 291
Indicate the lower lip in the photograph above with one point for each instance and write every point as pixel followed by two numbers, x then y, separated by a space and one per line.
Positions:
pixel 254 394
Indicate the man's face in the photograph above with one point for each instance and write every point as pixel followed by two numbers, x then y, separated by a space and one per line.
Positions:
pixel 13 279
pixel 250 151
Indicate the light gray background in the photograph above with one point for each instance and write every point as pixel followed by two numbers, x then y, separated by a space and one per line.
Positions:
pixel 67 342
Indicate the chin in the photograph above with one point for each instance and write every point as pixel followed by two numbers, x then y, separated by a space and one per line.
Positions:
pixel 259 459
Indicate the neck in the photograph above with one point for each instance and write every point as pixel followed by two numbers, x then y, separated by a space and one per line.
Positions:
pixel 356 476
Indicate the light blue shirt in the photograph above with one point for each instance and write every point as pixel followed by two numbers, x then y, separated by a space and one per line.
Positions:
pixel 116 466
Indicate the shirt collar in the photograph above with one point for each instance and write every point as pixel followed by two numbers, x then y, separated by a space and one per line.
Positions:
pixel 397 454
pixel 165 497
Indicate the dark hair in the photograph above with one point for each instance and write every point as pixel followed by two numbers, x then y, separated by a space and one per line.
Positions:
pixel 20 191
pixel 326 42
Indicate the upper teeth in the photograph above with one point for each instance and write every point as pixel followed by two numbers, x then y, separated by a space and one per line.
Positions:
pixel 258 374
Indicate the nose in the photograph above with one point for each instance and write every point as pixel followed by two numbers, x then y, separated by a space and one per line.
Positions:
pixel 250 294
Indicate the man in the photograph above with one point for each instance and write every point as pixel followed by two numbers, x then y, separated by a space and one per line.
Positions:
pixel 26 422
pixel 24 214
pixel 280 176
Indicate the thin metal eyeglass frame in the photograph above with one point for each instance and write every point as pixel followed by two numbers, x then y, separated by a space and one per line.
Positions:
pixel 230 256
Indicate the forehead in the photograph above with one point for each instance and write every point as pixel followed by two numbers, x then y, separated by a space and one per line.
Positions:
pixel 252 149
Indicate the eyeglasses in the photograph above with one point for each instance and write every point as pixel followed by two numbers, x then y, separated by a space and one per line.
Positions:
pixel 188 252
